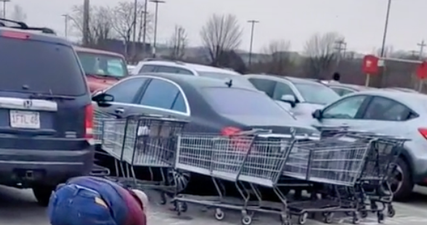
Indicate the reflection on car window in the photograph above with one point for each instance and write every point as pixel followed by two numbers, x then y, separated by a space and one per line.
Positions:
pixel 171 69
pixel 243 102
pixel 316 93
pixel 266 86
pixel 282 89
pixel 99 64
pixel 237 78
pixel 344 109
pixel 386 109
pixel 147 68
pixel 160 94
pixel 126 91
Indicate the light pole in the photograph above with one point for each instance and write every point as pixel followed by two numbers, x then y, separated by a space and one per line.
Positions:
pixel 135 12
pixel 4 7
pixel 145 27
pixel 155 24
pixel 385 29
pixel 253 22
pixel 66 17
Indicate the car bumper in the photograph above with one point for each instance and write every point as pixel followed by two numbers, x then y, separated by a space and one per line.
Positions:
pixel 22 168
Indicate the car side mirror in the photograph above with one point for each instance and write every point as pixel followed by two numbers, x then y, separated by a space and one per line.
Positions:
pixel 103 99
pixel 317 114
pixel 289 99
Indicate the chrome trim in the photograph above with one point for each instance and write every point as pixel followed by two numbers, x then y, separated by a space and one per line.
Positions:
pixel 28 104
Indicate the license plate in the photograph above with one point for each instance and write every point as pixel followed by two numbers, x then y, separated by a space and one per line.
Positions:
pixel 24 119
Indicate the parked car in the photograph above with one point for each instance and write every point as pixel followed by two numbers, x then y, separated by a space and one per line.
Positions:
pixel 102 68
pixel 176 67
pixel 391 113
pixel 211 105
pixel 45 109
pixel 130 68
pixel 300 96
pixel 401 89
pixel 344 89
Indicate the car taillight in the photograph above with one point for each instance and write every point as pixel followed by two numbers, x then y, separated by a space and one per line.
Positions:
pixel 89 123
pixel 239 143
pixel 423 132
pixel 14 34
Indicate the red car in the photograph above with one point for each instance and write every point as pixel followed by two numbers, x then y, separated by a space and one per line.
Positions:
pixel 102 68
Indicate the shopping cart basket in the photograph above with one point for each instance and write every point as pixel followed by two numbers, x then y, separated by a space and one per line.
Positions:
pixel 143 141
pixel 248 160
pixel 98 124
pixel 335 161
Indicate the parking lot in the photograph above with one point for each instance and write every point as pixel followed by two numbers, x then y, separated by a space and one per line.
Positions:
pixel 19 207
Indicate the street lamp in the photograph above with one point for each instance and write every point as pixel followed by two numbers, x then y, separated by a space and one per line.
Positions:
pixel 66 18
pixel 385 29
pixel 253 22
pixel 4 7
pixel 155 24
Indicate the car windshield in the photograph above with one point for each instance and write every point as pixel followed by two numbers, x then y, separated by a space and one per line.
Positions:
pixel 226 76
pixel 243 102
pixel 103 65
pixel 316 93
pixel 40 67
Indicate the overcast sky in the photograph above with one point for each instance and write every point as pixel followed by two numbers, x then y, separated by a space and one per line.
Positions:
pixel 360 21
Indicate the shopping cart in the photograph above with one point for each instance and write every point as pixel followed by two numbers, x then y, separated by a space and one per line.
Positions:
pixel 334 162
pixel 247 159
pixel 143 142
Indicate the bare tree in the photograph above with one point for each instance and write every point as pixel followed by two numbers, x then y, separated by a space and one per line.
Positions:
pixel 100 25
pixel 320 51
pixel 18 13
pixel 123 21
pixel 278 58
pixel 221 33
pixel 178 43
pixel 388 51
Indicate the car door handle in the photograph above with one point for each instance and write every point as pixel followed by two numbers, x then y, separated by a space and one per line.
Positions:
pixel 119 110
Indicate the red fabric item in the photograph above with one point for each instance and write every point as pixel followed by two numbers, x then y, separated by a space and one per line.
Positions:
pixel 136 215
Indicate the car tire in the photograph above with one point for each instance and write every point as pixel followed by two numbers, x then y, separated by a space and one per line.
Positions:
pixel 407 184
pixel 42 194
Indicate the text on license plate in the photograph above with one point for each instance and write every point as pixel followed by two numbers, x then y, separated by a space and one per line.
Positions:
pixel 24 119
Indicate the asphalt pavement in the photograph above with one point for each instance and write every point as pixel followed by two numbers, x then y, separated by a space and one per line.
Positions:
pixel 19 207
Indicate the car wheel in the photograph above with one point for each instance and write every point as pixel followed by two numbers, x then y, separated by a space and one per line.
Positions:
pixel 400 180
pixel 42 194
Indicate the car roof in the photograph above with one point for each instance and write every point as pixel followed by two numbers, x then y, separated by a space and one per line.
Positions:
pixel 350 86
pixel 291 79
pixel 413 100
pixel 196 67
pixel 39 36
pixel 194 81
pixel 96 51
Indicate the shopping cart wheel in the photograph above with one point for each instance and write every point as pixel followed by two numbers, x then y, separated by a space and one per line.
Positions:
pixel 356 218
pixel 285 219
pixel 328 216
pixel 302 218
pixel 363 214
pixel 246 218
pixel 163 199
pixel 180 207
pixel 381 217
pixel 219 214
pixel 391 212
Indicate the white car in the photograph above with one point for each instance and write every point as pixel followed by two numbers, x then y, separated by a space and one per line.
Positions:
pixel 189 69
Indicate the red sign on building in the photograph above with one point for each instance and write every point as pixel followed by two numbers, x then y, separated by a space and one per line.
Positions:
pixel 422 71
pixel 370 65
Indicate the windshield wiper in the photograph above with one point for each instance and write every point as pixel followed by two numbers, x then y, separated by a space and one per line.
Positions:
pixel 50 97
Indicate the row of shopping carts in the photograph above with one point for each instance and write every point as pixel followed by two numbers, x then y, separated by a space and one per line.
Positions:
pixel 344 171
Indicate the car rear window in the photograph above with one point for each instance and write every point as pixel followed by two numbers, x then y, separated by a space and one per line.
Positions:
pixel 101 64
pixel 236 101
pixel 40 67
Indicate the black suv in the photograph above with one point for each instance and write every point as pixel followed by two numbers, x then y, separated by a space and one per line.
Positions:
pixel 46 115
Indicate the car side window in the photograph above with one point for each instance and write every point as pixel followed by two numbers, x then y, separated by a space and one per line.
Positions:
pixel 147 68
pixel 282 89
pixel 179 103
pixel 339 91
pixel 386 109
pixel 344 109
pixel 171 69
pixel 266 86
pixel 125 91
pixel 161 94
